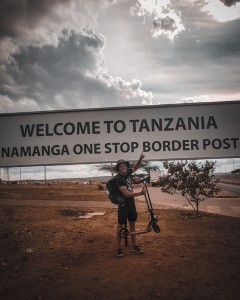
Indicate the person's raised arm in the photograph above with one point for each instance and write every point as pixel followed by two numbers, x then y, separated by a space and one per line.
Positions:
pixel 138 163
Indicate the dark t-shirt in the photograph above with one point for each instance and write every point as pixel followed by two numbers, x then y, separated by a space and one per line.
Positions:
pixel 125 180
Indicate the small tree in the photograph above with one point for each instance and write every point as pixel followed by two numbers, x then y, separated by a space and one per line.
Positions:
pixel 148 166
pixel 194 181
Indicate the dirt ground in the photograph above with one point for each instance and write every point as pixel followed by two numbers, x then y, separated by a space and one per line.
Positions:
pixel 51 253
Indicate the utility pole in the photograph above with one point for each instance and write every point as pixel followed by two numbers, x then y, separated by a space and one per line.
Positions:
pixel 112 169
pixel 45 175
pixel 233 165
pixel 6 176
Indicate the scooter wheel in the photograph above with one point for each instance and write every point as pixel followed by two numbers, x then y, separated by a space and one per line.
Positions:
pixel 123 232
pixel 156 228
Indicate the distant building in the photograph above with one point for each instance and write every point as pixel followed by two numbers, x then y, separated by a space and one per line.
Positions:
pixel 235 171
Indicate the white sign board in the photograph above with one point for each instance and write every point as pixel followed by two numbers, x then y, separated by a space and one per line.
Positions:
pixel 163 132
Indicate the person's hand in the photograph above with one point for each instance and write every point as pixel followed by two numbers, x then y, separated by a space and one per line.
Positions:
pixel 136 179
pixel 143 191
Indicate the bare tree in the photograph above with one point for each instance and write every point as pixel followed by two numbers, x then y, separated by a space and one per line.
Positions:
pixel 105 168
pixel 194 181
pixel 109 168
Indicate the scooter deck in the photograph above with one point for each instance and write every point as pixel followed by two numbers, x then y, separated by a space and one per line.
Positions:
pixel 139 232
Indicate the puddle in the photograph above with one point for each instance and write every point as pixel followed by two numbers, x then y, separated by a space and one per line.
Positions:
pixel 90 215
pixel 81 214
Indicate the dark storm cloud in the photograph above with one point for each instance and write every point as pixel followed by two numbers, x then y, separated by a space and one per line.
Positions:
pixel 18 18
pixel 52 67
pixel 229 2
pixel 69 75
pixel 15 15
pixel 167 23
pixel 204 39
pixel 203 60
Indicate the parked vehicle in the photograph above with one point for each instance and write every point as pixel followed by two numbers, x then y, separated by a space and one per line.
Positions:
pixel 155 177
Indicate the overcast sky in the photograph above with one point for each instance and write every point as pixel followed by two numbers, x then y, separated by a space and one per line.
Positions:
pixel 69 54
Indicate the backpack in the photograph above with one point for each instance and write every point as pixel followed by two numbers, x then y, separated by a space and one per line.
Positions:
pixel 112 192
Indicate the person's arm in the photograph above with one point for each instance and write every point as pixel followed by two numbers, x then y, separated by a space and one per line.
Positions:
pixel 126 193
pixel 138 163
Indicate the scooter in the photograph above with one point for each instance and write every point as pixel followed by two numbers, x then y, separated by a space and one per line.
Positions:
pixel 152 225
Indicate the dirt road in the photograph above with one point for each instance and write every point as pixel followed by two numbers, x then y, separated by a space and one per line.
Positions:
pixel 48 252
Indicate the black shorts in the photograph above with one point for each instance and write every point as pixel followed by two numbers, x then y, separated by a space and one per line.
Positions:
pixel 127 212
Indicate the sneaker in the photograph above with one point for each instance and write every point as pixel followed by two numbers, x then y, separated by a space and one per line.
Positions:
pixel 137 250
pixel 119 252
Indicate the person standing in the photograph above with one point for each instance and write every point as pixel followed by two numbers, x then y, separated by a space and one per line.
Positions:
pixel 127 211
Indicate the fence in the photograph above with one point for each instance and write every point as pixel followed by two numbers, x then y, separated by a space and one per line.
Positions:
pixel 229 178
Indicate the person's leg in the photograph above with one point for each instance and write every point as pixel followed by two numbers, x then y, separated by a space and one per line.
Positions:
pixel 122 219
pixel 118 238
pixel 135 247
pixel 132 229
pixel 132 218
